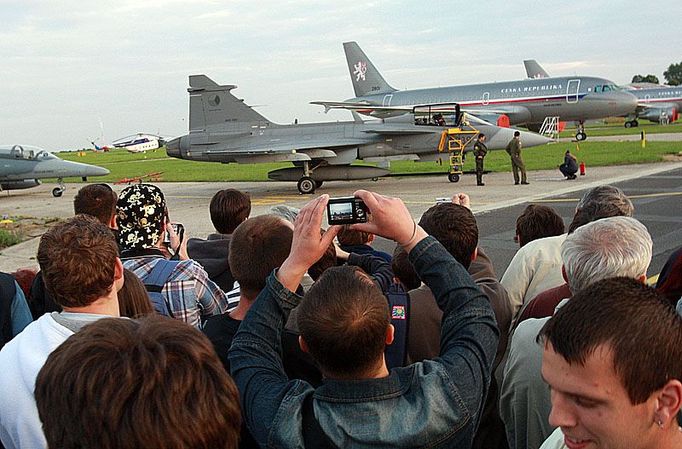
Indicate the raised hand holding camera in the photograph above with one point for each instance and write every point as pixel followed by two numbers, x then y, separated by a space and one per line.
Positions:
pixel 390 218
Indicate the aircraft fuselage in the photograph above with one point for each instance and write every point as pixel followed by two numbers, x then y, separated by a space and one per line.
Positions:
pixel 524 101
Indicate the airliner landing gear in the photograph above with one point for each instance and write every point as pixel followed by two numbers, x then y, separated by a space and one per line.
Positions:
pixel 580 133
pixel 58 191
pixel 306 185
pixel 631 124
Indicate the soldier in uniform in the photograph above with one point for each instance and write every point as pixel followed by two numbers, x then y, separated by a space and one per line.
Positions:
pixel 480 150
pixel 514 150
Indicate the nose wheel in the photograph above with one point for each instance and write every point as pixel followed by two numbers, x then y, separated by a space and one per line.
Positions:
pixel 59 191
pixel 580 134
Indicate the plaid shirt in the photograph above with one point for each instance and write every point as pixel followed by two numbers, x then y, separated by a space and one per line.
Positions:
pixel 191 294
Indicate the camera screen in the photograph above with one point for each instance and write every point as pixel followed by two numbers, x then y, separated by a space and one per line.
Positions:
pixel 340 211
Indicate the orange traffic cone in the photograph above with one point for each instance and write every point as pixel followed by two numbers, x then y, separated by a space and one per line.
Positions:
pixel 582 169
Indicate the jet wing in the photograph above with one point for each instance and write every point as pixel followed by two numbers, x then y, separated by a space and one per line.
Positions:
pixel 378 110
pixel 360 106
pixel 405 131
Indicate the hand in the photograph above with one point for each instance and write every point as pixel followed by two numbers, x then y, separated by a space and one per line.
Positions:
pixel 389 218
pixel 462 199
pixel 307 246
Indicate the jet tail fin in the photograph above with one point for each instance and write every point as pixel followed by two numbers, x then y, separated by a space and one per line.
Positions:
pixel 365 77
pixel 534 70
pixel 211 104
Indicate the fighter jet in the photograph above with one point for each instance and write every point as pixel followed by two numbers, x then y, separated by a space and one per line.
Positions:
pixel 523 102
pixel 23 166
pixel 222 128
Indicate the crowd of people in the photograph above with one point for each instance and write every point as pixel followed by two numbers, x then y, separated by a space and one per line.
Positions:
pixel 276 332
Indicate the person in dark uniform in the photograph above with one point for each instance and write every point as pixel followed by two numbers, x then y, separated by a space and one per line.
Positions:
pixel 480 150
pixel 514 150
pixel 570 166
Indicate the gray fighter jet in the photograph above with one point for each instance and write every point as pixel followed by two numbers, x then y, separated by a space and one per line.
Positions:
pixel 23 166
pixel 659 104
pixel 222 128
pixel 525 102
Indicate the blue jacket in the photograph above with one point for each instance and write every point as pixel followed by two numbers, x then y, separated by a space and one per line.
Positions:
pixel 431 404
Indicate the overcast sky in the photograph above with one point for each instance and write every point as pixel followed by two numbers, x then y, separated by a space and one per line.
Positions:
pixel 72 71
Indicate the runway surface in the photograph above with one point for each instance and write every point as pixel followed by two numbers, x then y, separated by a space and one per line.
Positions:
pixel 657 192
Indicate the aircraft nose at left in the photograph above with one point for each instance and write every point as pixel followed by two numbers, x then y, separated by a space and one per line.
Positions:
pixel 85 170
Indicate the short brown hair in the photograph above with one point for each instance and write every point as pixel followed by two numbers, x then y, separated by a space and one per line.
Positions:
pixel 228 209
pixel 403 269
pixel 153 382
pixel 98 200
pixel 640 327
pixel 351 237
pixel 455 227
pixel 133 299
pixel 78 259
pixel 343 319
pixel 258 246
pixel 538 221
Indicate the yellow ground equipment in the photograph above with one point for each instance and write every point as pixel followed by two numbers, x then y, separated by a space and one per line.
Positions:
pixel 457 132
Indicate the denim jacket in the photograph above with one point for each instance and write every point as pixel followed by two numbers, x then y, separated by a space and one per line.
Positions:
pixel 431 404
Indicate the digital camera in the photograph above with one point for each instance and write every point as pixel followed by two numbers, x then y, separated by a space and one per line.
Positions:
pixel 347 210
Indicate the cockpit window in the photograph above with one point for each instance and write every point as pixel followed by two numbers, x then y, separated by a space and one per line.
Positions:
pixel 597 88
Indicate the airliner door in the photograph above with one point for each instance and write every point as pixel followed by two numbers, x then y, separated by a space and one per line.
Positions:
pixel 572 91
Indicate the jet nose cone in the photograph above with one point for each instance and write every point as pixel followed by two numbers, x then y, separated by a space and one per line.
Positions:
pixel 530 139
pixel 99 171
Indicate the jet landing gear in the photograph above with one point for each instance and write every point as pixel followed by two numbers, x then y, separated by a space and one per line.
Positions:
pixel 59 191
pixel 307 185
pixel 631 124
pixel 580 133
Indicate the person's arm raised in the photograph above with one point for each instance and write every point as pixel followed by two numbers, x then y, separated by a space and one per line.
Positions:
pixel 307 246
pixel 390 218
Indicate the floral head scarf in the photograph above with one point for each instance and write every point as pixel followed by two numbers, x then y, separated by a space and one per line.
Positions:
pixel 141 212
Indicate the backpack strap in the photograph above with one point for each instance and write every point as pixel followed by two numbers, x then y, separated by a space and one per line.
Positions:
pixel 7 292
pixel 313 435
pixel 158 277
pixel 399 304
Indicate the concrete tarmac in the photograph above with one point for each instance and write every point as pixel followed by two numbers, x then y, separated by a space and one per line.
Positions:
pixel 188 202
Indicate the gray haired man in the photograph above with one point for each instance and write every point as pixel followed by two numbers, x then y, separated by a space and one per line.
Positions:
pixel 606 248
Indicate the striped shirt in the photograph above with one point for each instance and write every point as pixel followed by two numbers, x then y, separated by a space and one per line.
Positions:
pixel 191 294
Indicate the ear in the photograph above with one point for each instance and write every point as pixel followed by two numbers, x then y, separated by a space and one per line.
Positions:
pixel 642 279
pixel 474 255
pixel 668 402
pixel 563 273
pixel 390 334
pixel 370 239
pixel 118 275
pixel 118 269
pixel 112 222
pixel 302 344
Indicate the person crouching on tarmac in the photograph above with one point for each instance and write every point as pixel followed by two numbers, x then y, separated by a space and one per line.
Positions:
pixel 570 166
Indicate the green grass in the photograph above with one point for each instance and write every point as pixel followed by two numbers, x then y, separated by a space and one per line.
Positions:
pixel 126 165
pixel 9 238
pixel 617 129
